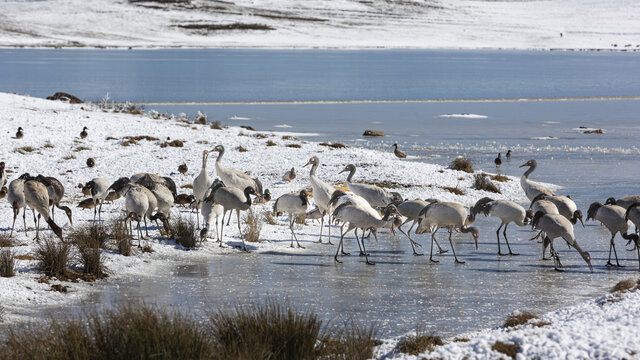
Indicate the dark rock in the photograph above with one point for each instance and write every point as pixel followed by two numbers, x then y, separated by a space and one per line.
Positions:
pixel 373 133
pixel 65 97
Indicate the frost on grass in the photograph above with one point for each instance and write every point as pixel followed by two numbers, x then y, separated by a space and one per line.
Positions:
pixel 519 318
pixel 7 263
pixel 418 343
pixel 253 226
pixel 461 164
pixel 482 182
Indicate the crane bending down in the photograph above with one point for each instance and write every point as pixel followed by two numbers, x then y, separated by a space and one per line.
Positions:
pixel 555 226
pixel 633 214
pixel 358 217
pixel 613 218
pixel 448 215
pixel 507 212
pixel 376 196
pixel 532 188
pixel 15 196
pixel 411 210
pixel 37 198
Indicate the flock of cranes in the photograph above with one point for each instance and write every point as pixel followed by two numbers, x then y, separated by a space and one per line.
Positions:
pixel 365 207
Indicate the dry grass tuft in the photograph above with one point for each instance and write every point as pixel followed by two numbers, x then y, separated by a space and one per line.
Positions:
pixel 296 146
pixel 5 240
pixel 121 236
pixel 461 339
pixel 147 249
pixel 24 150
pixel 418 343
pixel 48 145
pixel 482 182
pixel 111 138
pixel 289 137
pixel 261 136
pixel 269 218
pixel 7 263
pixel 89 239
pixel 184 232
pixel 59 288
pixel 540 323
pixel 201 119
pixel 519 318
pixel 454 190
pixel 216 125
pixel 510 350
pixel 69 157
pixel 173 143
pixel 53 257
pixel 252 227
pixel 81 148
pixel 27 257
pixel 247 127
pixel 128 142
pixel 186 186
pixel 142 137
pixel 350 342
pixel 624 285
pixel 271 143
pixel 333 145
pixel 301 219
pixel 461 164
pixel 499 178
pixel 241 148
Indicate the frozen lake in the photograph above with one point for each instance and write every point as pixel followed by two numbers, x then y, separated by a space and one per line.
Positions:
pixel 402 291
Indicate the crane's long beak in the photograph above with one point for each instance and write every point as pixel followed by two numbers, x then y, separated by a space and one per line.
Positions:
pixel 581 222
pixel 590 267
pixel 523 165
pixel 343 170
pixel 308 163
pixel 476 239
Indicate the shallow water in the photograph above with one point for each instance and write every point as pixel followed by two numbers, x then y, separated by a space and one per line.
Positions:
pixel 402 291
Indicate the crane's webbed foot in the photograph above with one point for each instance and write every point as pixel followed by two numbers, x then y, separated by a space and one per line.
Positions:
pixel 513 254
pixel 442 251
pixel 433 261
pixel 417 253
pixel 370 263
pixel 460 262
pixel 345 253
pixel 336 259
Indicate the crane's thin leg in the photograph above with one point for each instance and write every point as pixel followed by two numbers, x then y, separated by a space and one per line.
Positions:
pixel 222 228
pixel 615 253
pixel 342 247
pixel 146 227
pixel 638 250
pixel 454 250
pixel 294 234
pixel 504 233
pixel 537 236
pixel 100 210
pixel 409 232
pixel 498 236
pixel 610 246
pixel 365 250
pixel 557 265
pixel 244 246
pixel 229 220
pixel 410 240
pixel 52 213
pixel 95 209
pixel 355 232
pixel 433 237
pixel 139 233
pixel 15 215
pixel 330 219
pixel 545 244
pixel 197 215
pixel 24 220
pixel 321 226
pixel 339 245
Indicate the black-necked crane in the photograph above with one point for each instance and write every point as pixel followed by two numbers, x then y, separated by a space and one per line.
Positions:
pixel 211 211
pixel 410 209
pixel 498 160
pixel 37 198
pixel 122 186
pixel 624 201
pixel 613 218
pixel 547 207
pixel 164 180
pixel 84 133
pixel 232 198
pixel 358 217
pixel 137 205
pixel 15 197
pixel 532 188
pixel 19 133
pixel 56 193
pixel 376 196
pixel 201 183
pixel 507 211
pixel 447 215
pixel 164 198
pixel 557 226
pixel 293 204
pixel 321 194
pixel 398 153
pixel 289 175
pixel 97 188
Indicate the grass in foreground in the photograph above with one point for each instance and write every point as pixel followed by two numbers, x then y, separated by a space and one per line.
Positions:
pixel 141 331
pixel 7 263
pixel 253 226
pixel 519 319
pixel 184 232
pixel 482 182
pixel 418 343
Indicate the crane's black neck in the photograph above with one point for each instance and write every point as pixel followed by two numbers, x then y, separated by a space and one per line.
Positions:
pixel 352 171
pixel 247 194
pixel 532 167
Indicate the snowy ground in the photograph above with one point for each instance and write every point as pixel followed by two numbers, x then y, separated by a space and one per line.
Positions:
pixel 52 130
pixel 601 328
pixel 454 24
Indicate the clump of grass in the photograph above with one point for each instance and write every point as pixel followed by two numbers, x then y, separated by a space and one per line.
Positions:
pixel 216 125
pixel 59 288
pixel 111 138
pixel 441 171
pixel 173 143
pixel 499 178
pixel 625 285
pixel 510 350
pixel 482 182
pixel 89 239
pixel 540 323
pixel 461 339
pixel 519 318
pixel 142 137
pixel 81 148
pixel 289 137
pixel 121 236
pixel 2 313
pixel 333 145
pixel 7 263
pixel 186 186
pixel 241 148
pixel 269 331
pixel 27 257
pixel 271 143
pixel 5 240
pixel 201 119
pixel 418 343
pixel 350 342
pixel 184 232
pixel 24 150
pixel 461 164
pixel 53 257
pixel 261 136
pixel 253 226
pixel 147 249
pixel 128 142
pixel 296 146
pixel 454 190
pixel 69 157
pixel 131 331
pixel 269 218
pixel 48 145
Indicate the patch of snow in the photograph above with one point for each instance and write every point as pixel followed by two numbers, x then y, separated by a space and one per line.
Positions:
pixel 464 116
pixel 283 126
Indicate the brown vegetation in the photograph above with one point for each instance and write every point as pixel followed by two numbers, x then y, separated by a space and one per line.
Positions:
pixel 519 318
pixel 418 343
pixel 482 182
pixel 7 263
pixel 461 164
pixel 510 350
pixel 333 145
pixel 253 226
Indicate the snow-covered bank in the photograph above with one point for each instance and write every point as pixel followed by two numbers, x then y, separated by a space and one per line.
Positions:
pixel 456 24
pixel 603 328
pixel 52 146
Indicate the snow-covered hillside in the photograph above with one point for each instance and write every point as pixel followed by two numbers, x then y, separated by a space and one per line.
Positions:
pixel 451 24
